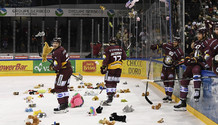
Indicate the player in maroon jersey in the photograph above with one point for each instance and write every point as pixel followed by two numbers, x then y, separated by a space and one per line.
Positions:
pixel 112 68
pixel 194 64
pixel 173 56
pixel 62 67
pixel 211 56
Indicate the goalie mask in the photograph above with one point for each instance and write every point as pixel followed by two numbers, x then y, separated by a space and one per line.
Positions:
pixel 168 60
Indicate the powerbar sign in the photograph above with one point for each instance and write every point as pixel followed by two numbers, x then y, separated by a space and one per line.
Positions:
pixel 16 67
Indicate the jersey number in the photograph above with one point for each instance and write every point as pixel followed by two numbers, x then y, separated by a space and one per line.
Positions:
pixel 117 58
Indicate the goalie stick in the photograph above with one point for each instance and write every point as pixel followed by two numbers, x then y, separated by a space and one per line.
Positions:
pixel 146 97
pixel 159 80
pixel 42 34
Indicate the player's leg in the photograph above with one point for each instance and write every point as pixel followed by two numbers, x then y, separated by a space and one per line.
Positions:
pixel 171 76
pixel 181 106
pixel 112 77
pixel 166 84
pixel 197 81
pixel 61 84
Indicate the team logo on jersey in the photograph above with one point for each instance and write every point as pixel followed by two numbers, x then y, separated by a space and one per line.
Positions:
pixel 59 12
pixel 60 95
pixel 3 12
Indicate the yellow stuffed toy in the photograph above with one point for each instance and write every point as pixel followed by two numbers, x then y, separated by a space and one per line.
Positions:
pixel 46 51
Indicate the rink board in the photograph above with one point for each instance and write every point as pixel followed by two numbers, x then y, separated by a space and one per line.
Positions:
pixel 206 109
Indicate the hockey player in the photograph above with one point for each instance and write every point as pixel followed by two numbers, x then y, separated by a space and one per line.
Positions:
pixel 212 51
pixel 62 66
pixel 112 68
pixel 194 64
pixel 173 56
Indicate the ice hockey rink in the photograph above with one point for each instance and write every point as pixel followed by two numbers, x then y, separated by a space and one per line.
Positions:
pixel 13 106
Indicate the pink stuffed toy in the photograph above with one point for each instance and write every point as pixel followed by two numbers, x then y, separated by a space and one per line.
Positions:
pixel 76 101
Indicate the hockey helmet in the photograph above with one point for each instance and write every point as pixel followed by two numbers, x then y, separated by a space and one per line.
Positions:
pixel 57 40
pixel 202 30
pixel 177 39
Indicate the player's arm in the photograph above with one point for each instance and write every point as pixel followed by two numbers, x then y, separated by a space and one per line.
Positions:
pixel 57 61
pixel 105 62
pixel 123 55
pixel 106 57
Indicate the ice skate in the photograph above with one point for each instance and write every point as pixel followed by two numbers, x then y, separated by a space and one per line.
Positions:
pixel 167 99
pixel 109 100
pixel 197 95
pixel 61 109
pixel 181 106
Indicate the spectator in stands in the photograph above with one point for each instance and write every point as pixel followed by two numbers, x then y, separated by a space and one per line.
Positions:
pixel 96 47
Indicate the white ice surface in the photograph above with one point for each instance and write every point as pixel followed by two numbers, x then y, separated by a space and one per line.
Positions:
pixel 12 108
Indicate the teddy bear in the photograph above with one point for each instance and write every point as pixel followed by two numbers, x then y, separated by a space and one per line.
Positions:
pixel 105 121
pixel 95 98
pixel 76 101
pixel 115 117
pixel 156 107
pixel 34 119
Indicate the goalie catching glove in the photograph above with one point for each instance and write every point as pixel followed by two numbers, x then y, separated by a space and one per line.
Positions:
pixel 46 51
pixel 103 69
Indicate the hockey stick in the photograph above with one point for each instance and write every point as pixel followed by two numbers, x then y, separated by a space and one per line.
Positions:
pixel 146 97
pixel 159 80
pixel 80 77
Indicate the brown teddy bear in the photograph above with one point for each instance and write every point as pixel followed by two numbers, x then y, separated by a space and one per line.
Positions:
pixel 105 121
pixel 156 107
pixel 35 120
pixel 95 98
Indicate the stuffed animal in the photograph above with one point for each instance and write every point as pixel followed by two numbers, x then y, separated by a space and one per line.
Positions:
pixel 124 100
pixel 156 107
pixel 92 111
pixel 28 99
pixel 88 84
pixel 128 109
pixel 101 85
pixel 126 91
pixel 76 101
pixel 41 91
pixel 115 117
pixel 160 121
pixel 35 113
pixel 99 109
pixel 71 88
pixel 46 51
pixel 117 95
pixel 35 120
pixel 95 98
pixel 16 93
pixel 105 121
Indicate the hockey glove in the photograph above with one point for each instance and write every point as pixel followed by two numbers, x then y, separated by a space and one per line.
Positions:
pixel 103 69
pixel 51 67
pixel 153 47
pixel 52 91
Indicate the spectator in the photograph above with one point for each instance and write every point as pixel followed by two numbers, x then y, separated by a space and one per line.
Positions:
pixel 96 47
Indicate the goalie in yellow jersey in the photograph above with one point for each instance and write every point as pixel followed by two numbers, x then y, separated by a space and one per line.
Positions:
pixel 112 68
